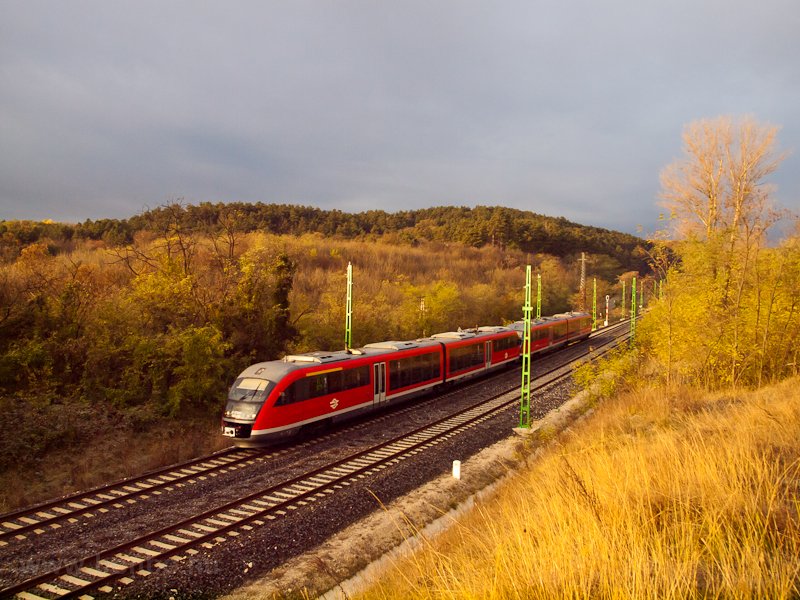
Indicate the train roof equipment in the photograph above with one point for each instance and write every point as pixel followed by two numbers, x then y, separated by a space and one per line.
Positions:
pixel 392 345
pixel 494 329
pixel 454 335
pixel 395 345
pixel 318 357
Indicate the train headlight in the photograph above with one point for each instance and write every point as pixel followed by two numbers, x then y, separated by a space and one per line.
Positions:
pixel 245 411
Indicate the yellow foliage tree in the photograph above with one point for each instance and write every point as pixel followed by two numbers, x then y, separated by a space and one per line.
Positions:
pixel 726 287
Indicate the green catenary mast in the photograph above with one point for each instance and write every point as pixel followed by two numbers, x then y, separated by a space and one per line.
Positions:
pixel 633 310
pixel 539 296
pixel 348 321
pixel 624 300
pixel 525 400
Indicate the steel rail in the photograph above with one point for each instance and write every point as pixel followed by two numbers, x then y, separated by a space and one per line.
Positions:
pixel 125 491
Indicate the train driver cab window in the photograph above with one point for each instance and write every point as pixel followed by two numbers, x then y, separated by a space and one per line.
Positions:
pixel 246 397
pixel 249 389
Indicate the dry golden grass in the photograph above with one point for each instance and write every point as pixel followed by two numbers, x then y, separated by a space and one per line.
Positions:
pixel 662 494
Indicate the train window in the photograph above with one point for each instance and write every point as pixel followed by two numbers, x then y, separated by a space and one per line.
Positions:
pixel 297 392
pixel 560 330
pixel 505 343
pixel 318 385
pixel 246 397
pixel 414 369
pixel 466 357
pixel 354 378
pixel 540 333
pixel 249 389
pixel 323 384
pixel 580 323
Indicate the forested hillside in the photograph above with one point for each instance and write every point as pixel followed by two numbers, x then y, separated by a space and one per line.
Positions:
pixel 166 306
pixel 476 227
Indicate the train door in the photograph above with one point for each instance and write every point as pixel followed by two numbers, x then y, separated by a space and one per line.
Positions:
pixel 488 354
pixel 379 379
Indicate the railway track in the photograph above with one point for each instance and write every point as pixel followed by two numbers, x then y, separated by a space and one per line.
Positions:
pixel 69 510
pixel 36 520
pixel 120 566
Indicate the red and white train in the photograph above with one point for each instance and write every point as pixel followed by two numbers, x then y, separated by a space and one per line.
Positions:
pixel 273 400
pixel 556 331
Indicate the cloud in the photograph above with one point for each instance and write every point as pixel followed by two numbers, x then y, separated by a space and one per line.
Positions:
pixel 564 109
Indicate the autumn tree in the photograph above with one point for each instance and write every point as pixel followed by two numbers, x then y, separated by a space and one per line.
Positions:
pixel 715 254
pixel 255 319
pixel 719 186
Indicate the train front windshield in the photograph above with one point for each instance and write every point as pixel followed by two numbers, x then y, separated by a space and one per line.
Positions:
pixel 246 397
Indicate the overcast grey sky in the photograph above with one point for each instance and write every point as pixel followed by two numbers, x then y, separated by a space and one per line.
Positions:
pixel 563 108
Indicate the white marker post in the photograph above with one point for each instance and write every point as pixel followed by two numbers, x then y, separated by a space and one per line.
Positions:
pixel 457 469
pixel 605 323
